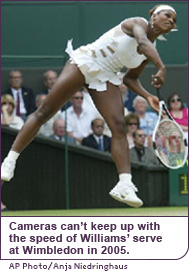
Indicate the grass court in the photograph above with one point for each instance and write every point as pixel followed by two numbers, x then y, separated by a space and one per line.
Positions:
pixel 144 211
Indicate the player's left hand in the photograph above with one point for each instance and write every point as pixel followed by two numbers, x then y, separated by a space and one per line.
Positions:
pixel 153 102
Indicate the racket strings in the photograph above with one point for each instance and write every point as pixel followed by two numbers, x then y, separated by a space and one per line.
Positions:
pixel 170 144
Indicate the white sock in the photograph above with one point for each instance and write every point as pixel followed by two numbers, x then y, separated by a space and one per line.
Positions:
pixel 12 155
pixel 125 177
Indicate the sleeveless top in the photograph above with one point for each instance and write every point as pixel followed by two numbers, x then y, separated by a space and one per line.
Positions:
pixel 101 60
pixel 184 120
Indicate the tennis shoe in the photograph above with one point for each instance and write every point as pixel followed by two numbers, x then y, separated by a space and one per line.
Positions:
pixel 125 192
pixel 7 169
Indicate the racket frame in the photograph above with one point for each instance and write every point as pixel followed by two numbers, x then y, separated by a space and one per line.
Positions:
pixel 163 107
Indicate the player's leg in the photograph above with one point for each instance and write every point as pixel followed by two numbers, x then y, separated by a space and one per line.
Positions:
pixel 110 105
pixel 69 81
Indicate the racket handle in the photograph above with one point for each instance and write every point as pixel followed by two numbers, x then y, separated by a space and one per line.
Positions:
pixel 158 94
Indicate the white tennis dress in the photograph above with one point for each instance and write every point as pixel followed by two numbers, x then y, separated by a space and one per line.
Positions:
pixel 101 60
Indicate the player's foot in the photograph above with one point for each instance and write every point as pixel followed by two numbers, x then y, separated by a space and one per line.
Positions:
pixel 7 169
pixel 125 192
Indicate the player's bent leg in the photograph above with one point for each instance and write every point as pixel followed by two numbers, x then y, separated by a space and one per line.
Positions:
pixel 125 190
pixel 67 84
pixel 110 105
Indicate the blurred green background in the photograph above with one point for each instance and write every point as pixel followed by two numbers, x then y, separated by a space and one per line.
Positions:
pixel 42 28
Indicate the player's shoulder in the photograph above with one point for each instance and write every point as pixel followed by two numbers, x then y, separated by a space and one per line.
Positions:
pixel 130 23
pixel 136 19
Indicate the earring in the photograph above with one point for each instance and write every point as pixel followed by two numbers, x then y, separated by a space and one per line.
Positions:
pixel 152 24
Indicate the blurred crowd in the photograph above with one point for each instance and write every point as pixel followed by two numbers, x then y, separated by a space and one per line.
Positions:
pixel 79 122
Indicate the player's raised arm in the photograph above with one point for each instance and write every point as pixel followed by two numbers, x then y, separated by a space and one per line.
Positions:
pixel 131 80
pixel 145 35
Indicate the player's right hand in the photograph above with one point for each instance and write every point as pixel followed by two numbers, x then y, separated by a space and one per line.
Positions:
pixel 159 78
pixel 153 102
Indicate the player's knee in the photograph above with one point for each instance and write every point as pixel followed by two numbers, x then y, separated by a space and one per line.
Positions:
pixel 118 127
pixel 42 115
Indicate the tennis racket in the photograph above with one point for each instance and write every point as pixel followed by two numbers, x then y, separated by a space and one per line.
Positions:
pixel 169 142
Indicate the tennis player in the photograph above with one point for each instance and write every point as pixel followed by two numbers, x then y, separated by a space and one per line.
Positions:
pixel 130 44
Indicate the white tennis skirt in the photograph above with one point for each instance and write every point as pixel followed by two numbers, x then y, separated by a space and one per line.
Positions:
pixel 95 70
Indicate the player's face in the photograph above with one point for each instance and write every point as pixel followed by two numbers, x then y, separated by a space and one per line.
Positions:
pixel 165 20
